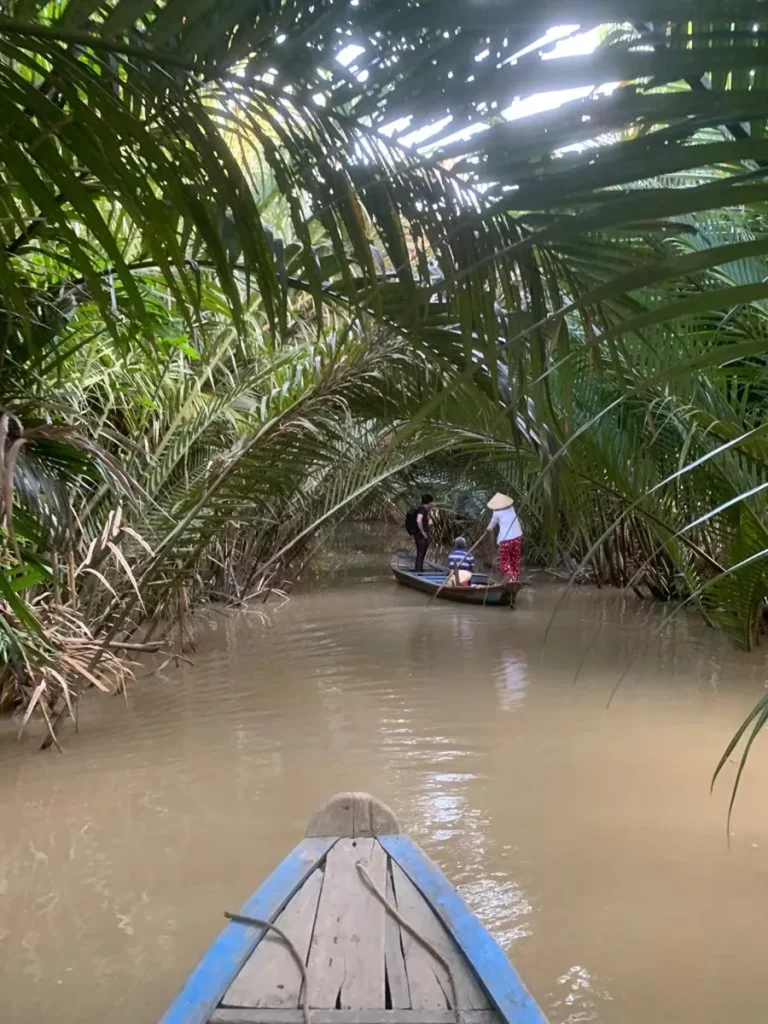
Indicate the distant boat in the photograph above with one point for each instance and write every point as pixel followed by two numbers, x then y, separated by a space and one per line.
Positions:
pixel 481 591
pixel 364 930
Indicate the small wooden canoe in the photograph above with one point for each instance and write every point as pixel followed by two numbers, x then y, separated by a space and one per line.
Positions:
pixel 481 591
pixel 355 926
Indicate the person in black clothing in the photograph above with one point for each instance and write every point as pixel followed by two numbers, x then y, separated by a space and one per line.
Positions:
pixel 421 538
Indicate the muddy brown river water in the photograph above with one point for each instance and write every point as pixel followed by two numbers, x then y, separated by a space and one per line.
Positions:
pixel 586 839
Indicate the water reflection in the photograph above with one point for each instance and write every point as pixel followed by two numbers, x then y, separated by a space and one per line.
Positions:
pixel 463 628
pixel 580 836
pixel 512 678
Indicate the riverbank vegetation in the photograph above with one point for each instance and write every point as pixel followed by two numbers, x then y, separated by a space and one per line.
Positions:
pixel 261 264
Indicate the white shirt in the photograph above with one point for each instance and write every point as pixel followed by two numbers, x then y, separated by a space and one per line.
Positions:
pixel 508 523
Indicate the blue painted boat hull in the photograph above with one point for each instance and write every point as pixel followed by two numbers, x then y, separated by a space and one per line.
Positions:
pixel 206 996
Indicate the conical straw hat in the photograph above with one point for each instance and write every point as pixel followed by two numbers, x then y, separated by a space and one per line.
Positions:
pixel 500 501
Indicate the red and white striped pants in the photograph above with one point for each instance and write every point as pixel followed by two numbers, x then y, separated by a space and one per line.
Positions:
pixel 509 558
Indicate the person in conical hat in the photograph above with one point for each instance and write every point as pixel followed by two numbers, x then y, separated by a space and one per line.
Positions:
pixel 509 537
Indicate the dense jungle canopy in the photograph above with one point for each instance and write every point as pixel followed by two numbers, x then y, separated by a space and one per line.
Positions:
pixel 266 263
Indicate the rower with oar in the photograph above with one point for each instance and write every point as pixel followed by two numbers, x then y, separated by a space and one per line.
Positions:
pixel 505 519
pixel 510 535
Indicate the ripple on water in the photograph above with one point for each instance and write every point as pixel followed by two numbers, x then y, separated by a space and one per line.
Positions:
pixel 579 999
pixel 580 836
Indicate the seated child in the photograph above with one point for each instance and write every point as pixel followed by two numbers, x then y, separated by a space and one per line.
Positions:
pixel 461 564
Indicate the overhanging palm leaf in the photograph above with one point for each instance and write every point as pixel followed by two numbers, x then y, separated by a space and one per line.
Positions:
pixel 166 84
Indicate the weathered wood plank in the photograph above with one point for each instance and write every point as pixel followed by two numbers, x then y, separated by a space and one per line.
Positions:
pixel 418 913
pixel 271 976
pixel 217 969
pixel 242 1015
pixel 353 815
pixel 497 975
pixel 394 962
pixel 427 981
pixel 346 956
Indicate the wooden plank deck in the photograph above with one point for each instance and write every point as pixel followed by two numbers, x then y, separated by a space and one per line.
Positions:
pixel 394 959
pixel 434 989
pixel 345 969
pixel 362 965
pixel 271 976
pixel 233 1015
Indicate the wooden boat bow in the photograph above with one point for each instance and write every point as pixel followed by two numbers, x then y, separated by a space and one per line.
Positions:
pixel 355 926
pixel 349 815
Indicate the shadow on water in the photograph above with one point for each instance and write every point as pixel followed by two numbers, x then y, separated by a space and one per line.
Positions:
pixel 585 839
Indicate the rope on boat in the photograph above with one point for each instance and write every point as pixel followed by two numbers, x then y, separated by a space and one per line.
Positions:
pixel 414 933
pixel 257 922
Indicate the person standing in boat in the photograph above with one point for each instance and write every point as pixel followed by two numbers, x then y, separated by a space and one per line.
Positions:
pixel 421 537
pixel 510 535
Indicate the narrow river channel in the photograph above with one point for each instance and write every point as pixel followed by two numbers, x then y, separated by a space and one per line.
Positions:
pixel 584 837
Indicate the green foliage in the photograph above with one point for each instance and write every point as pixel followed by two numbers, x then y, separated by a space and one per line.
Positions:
pixel 236 298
